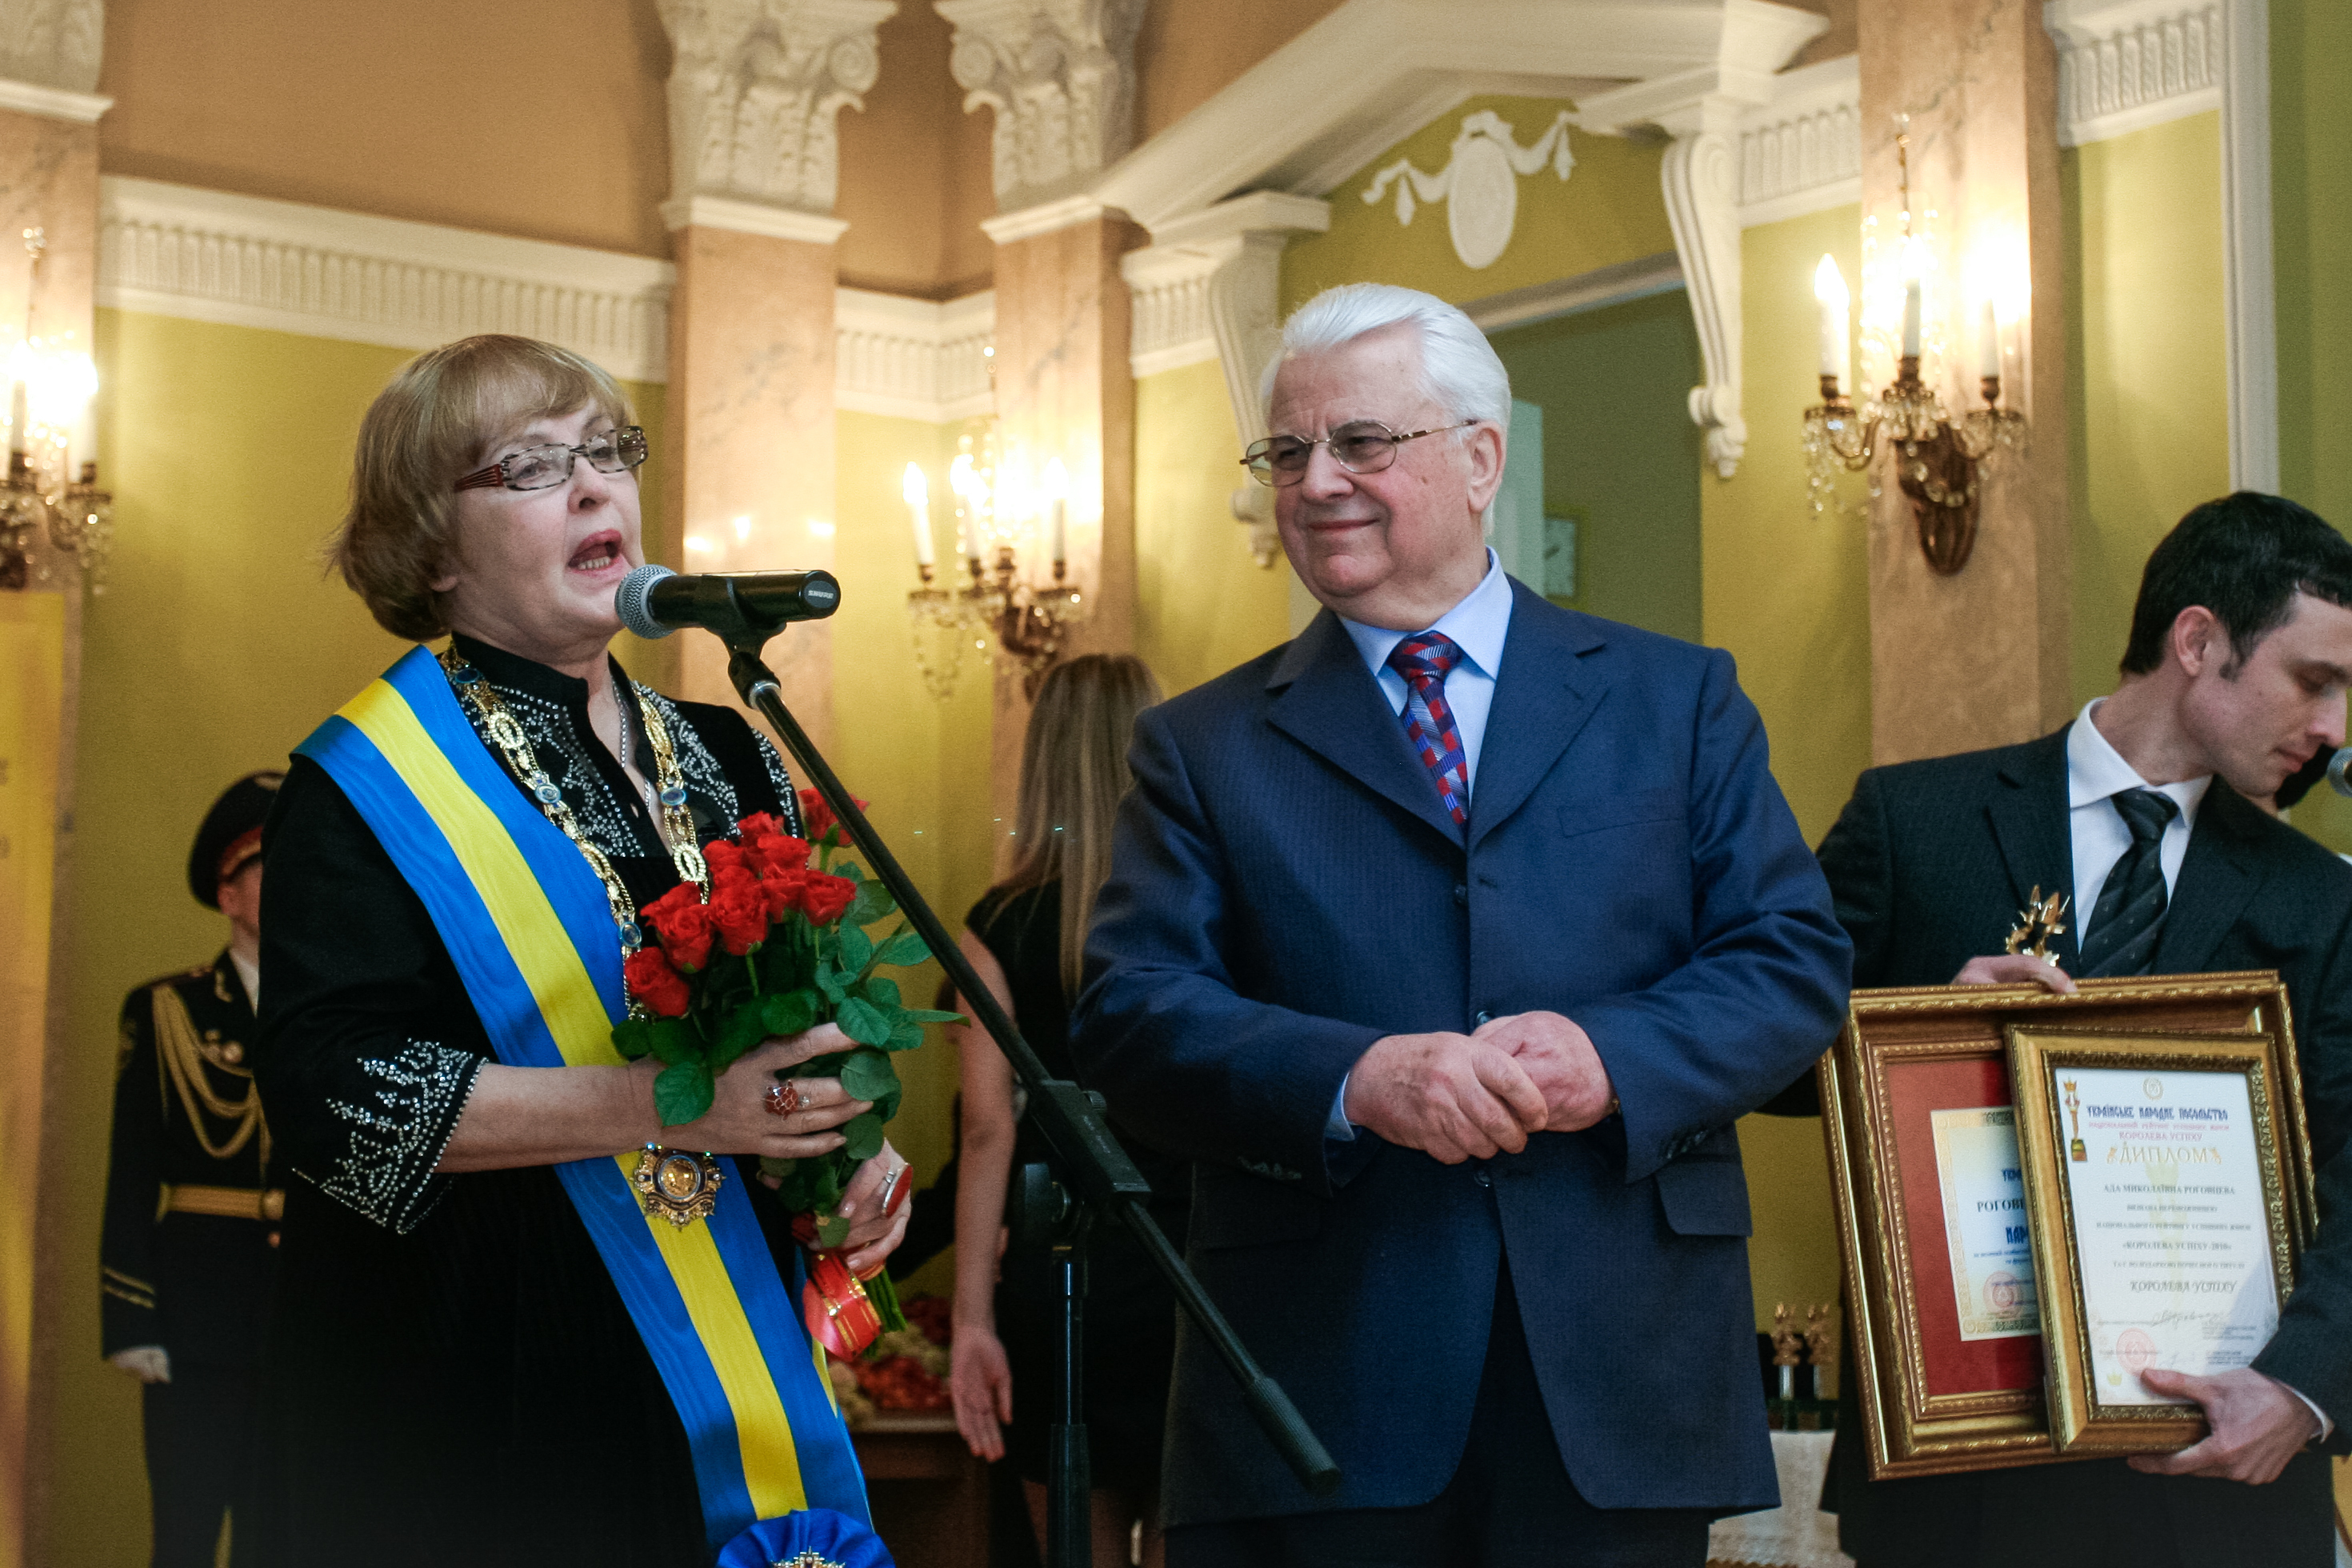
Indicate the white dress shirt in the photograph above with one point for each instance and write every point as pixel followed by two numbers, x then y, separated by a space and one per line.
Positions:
pixel 1479 626
pixel 2096 774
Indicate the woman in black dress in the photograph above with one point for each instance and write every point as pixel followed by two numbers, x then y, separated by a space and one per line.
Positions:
pixel 454 1377
pixel 1026 938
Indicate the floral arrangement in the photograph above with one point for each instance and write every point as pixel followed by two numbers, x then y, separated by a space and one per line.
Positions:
pixel 778 947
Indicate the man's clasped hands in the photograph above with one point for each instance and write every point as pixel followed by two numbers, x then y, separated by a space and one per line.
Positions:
pixel 1470 1097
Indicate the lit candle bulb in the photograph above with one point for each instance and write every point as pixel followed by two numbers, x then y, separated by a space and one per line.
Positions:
pixel 1829 288
pixel 1057 485
pixel 1989 344
pixel 918 492
pixel 1911 269
pixel 960 480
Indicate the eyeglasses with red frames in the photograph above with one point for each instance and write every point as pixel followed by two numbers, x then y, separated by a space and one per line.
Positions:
pixel 1360 447
pixel 544 467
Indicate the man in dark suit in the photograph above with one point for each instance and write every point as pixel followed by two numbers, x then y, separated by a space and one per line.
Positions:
pixel 2240 656
pixel 1451 938
pixel 188 1258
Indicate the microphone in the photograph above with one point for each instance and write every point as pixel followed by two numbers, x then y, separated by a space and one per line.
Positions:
pixel 654 601
pixel 2336 765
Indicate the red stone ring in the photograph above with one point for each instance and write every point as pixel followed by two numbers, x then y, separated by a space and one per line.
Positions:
pixel 783 1099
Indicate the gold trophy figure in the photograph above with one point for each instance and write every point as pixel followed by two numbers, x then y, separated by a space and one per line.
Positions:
pixel 2037 922
pixel 2074 1150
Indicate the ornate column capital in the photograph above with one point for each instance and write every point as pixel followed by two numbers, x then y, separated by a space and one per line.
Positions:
pixel 1060 74
pixel 753 96
pixel 53 43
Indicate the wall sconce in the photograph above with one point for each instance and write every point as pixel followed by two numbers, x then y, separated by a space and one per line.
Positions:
pixel 1938 459
pixel 51 488
pixel 995 514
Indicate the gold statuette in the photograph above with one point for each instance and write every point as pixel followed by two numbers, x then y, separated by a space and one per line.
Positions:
pixel 2040 920
pixel 678 1186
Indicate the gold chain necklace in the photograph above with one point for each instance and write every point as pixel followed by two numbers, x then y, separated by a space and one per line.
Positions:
pixel 677 822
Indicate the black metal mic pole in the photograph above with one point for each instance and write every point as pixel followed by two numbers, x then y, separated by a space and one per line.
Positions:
pixel 1087 1159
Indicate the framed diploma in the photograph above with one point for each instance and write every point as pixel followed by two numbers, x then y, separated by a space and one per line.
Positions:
pixel 2161 1173
pixel 1944 1292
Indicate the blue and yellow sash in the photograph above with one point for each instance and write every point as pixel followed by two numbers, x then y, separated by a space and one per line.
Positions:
pixel 527 923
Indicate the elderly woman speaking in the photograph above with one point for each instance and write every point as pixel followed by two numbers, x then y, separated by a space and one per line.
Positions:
pixel 487 1351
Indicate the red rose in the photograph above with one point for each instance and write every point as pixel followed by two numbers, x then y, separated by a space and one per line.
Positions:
pixel 719 854
pixel 739 911
pixel 758 825
pixel 654 981
pixel 823 897
pixel 822 826
pixel 682 921
pixel 782 891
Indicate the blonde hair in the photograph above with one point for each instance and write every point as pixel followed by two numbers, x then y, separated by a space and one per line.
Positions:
pixel 435 423
pixel 1073 774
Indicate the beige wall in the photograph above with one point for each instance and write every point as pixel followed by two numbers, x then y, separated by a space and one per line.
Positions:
pixel 547 123
pixel 914 170
pixel 1189 49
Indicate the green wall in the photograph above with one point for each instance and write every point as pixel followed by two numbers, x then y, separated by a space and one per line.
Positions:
pixel 2149 395
pixel 1608 211
pixel 1621 453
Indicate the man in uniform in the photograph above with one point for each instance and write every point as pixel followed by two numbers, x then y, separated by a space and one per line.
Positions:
pixel 187 1262
pixel 2234 679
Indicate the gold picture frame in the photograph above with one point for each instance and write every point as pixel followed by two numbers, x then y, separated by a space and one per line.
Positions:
pixel 2068 1185
pixel 1930 1403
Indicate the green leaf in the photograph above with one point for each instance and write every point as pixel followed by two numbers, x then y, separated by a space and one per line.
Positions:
pixel 868 1074
pixel 682 1093
pixel 904 949
pixel 832 1231
pixel 633 1038
pixel 882 992
pixel 745 1027
pixel 905 1035
pixel 833 983
pixel 865 1136
pixel 887 1108
pixel 929 1015
pixel 860 1021
pixel 849 870
pixel 674 1041
pixel 791 1012
pixel 856 949
pixel 873 902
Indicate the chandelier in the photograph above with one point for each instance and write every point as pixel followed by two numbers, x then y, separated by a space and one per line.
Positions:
pixel 51 488
pixel 996 607
pixel 1938 459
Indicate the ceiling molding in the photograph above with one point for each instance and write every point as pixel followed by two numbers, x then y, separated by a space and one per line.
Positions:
pixel 1594 290
pixel 2125 66
pixel 1374 71
pixel 1802 153
pixel 751 218
pixel 1046 217
pixel 913 359
pixel 209 255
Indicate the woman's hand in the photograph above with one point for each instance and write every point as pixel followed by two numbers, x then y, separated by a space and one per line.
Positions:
pixel 877 1205
pixel 979 1380
pixel 740 1121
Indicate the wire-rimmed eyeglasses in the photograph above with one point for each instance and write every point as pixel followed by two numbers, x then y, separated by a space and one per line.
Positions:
pixel 544 467
pixel 1360 447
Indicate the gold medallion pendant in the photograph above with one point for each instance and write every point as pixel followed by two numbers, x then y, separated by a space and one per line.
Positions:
pixel 678 1186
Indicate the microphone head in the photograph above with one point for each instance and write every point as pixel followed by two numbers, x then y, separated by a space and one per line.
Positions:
pixel 2336 768
pixel 631 601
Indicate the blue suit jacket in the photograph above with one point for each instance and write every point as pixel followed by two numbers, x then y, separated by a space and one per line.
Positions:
pixel 1287 889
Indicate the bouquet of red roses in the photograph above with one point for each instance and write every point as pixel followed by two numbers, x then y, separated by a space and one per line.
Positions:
pixel 780 947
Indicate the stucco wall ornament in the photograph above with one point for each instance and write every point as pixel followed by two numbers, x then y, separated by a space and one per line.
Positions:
pixel 1060 74
pixel 52 42
pixel 755 90
pixel 1479 184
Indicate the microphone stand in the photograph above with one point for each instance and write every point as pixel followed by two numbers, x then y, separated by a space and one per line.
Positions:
pixel 1091 1175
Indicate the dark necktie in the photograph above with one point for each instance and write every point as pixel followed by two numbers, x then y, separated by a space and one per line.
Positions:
pixel 2130 913
pixel 1423 659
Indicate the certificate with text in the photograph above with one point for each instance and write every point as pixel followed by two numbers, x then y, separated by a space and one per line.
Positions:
pixel 1983 1189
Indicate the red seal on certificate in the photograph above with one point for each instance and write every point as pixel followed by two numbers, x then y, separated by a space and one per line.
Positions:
pixel 2002 1293
pixel 2136 1350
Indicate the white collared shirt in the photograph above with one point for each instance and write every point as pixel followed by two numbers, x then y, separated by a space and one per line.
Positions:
pixel 250 974
pixel 2096 774
pixel 1479 626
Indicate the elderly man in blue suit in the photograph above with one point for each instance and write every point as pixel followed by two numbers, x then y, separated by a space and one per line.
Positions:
pixel 1450 939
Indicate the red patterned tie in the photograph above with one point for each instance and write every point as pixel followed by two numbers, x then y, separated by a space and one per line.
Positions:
pixel 1423 659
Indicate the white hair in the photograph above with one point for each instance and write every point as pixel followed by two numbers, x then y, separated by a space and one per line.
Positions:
pixel 1459 368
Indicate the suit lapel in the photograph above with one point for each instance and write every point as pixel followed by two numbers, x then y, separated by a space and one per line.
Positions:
pixel 2219 876
pixel 1543 696
pixel 2029 818
pixel 1324 698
